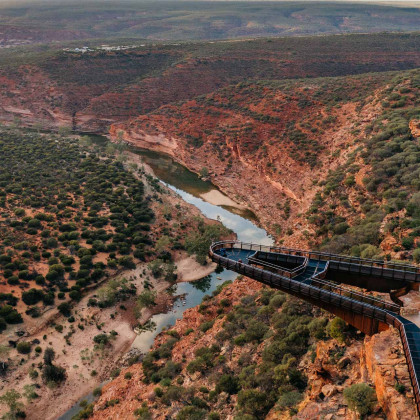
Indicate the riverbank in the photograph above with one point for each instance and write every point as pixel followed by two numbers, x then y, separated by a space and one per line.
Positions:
pixel 189 269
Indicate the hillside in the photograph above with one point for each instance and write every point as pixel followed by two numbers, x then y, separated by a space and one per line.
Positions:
pixel 90 91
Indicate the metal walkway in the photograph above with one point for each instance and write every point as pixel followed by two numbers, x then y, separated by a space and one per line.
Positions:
pixel 303 273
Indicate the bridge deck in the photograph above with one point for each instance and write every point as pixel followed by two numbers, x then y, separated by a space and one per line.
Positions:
pixel 304 280
pixel 311 268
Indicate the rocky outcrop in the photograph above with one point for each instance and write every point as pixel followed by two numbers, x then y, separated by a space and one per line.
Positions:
pixel 386 367
pixel 415 128
pixel 377 360
pixel 157 142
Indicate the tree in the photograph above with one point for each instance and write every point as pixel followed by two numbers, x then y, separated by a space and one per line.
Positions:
pixel 127 262
pixel 54 374
pixel 32 296
pixel 161 269
pixel 49 356
pixel 24 347
pixel 75 295
pixel 50 372
pixel 145 300
pixel 254 402
pixel 65 308
pixel 228 383
pixel 336 329
pixel 198 243
pixel 101 339
pixel 361 398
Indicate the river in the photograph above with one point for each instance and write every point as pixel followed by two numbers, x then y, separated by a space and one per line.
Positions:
pixel 193 190
pixel 201 194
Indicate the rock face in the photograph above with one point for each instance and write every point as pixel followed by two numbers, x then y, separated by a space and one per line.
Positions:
pixel 415 128
pixel 378 361
pixel 258 140
pixel 386 367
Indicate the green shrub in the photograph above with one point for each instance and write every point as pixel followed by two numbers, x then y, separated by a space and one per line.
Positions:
pixel 277 301
pixel 361 398
pixel 158 391
pixel 24 347
pixel 205 326
pixel 240 340
pixel 400 388
pixel 97 392
pixel 143 412
pixel 290 399
pixel 228 383
pixel 191 413
pixel 416 255
pixel 337 329
pixel 254 402
pixel 255 331
pixel 408 242
pixel 317 328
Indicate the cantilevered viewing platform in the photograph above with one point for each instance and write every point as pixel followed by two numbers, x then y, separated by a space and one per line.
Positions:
pixel 324 279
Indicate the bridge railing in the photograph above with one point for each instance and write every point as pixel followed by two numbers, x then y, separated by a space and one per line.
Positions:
pixel 317 281
pixel 318 294
pixel 353 294
pixel 354 265
pixel 288 284
pixel 290 273
pixel 321 275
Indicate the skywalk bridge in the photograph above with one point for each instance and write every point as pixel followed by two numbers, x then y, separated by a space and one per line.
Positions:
pixel 318 278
